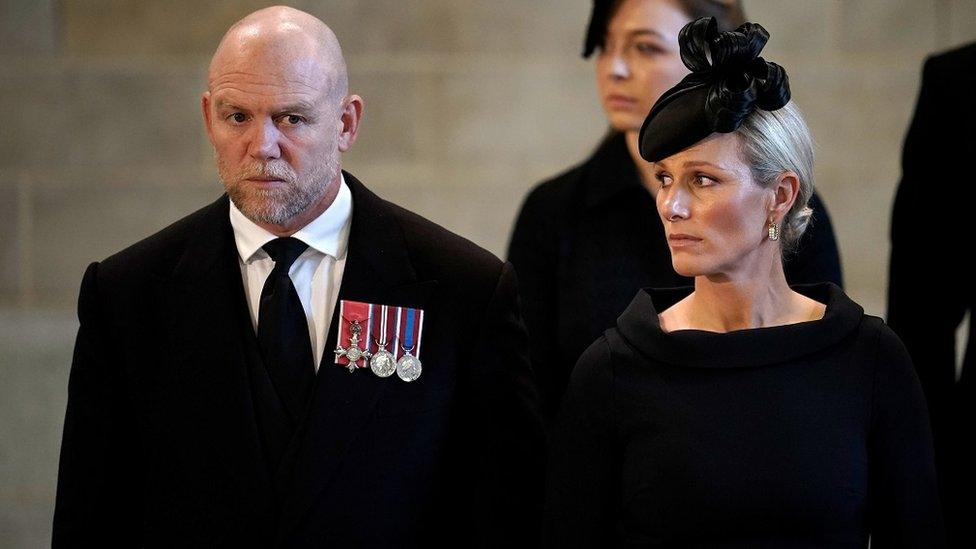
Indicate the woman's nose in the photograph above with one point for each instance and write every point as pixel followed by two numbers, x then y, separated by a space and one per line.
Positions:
pixel 675 203
pixel 619 69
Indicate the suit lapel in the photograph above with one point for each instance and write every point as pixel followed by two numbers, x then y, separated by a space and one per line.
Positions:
pixel 205 299
pixel 378 270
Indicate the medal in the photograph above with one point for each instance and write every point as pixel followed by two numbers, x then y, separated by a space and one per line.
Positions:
pixel 383 338
pixel 353 352
pixel 383 363
pixel 408 368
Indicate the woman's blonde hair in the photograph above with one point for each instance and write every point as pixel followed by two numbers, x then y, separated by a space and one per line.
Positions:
pixel 779 141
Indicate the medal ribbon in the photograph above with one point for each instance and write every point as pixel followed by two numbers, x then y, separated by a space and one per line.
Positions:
pixel 408 331
pixel 413 323
pixel 382 329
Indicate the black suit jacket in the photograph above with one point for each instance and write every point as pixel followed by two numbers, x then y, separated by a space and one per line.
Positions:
pixel 161 444
pixel 587 240
pixel 929 291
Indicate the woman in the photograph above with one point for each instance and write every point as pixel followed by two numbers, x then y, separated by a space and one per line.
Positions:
pixel 740 412
pixel 587 240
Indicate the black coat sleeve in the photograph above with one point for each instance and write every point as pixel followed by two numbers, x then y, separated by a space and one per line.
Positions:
pixel 533 251
pixel 509 459
pixel 98 500
pixel 817 258
pixel 583 478
pixel 902 491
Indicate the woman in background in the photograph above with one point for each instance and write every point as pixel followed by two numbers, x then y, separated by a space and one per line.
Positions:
pixel 741 412
pixel 587 240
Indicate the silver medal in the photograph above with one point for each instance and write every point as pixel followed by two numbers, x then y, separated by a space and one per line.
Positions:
pixel 353 352
pixel 408 367
pixel 383 363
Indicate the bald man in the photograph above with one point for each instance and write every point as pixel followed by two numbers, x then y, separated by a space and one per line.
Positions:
pixel 206 407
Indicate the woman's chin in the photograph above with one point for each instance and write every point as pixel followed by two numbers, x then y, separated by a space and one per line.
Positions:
pixel 690 269
pixel 623 122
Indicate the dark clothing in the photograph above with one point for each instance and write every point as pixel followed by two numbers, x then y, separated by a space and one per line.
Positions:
pixel 587 240
pixel 926 315
pixel 170 409
pixel 812 434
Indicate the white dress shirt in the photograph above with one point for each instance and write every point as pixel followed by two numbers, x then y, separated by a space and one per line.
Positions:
pixel 316 274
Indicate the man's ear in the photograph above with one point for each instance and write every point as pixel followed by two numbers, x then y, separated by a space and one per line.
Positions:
pixel 352 113
pixel 207 119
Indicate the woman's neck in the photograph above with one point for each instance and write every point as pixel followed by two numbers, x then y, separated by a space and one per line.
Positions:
pixel 644 168
pixel 722 304
pixel 740 301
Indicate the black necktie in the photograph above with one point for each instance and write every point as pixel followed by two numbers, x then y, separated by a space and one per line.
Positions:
pixel 283 330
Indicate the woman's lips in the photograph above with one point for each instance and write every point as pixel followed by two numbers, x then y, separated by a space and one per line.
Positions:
pixel 621 102
pixel 679 240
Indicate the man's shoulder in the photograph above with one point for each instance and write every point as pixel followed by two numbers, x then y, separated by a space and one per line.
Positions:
pixel 160 251
pixel 439 252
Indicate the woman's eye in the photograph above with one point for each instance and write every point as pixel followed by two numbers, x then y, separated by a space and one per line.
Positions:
pixel 703 181
pixel 648 48
pixel 663 179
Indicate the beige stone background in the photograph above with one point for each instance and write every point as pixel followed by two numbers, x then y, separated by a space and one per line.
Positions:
pixel 468 103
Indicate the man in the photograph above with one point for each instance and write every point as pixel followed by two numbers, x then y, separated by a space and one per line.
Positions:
pixel 196 414
pixel 930 292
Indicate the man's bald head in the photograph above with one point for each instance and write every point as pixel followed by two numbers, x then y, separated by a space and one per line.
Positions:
pixel 278 114
pixel 283 36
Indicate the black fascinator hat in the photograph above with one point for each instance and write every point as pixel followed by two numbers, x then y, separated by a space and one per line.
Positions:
pixel 728 81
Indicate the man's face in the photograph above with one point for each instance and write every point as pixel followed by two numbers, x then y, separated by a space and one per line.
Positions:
pixel 274 124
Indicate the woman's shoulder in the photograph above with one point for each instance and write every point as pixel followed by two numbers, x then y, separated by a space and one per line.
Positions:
pixel 556 188
pixel 595 364
pixel 890 347
pixel 883 351
pixel 610 153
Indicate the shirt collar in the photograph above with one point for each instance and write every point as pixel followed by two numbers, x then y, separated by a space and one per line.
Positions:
pixel 328 233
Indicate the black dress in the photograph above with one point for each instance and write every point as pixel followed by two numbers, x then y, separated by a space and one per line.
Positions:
pixel 806 435
pixel 587 240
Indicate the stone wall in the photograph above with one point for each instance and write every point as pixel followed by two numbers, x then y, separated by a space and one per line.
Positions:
pixel 468 103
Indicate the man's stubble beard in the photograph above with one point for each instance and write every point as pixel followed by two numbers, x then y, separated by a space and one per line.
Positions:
pixel 279 205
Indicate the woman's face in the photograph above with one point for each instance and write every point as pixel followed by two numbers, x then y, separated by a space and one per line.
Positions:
pixel 639 60
pixel 715 215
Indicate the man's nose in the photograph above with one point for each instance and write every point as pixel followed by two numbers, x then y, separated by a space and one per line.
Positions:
pixel 265 141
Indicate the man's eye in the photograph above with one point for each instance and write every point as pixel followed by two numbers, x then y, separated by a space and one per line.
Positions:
pixel 293 119
pixel 238 117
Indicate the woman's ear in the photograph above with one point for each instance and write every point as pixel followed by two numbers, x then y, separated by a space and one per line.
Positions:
pixel 785 190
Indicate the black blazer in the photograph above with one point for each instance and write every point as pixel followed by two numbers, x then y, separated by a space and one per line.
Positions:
pixel 587 240
pixel 929 292
pixel 161 443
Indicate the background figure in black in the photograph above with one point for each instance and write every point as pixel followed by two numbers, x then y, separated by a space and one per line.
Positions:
pixel 926 313
pixel 587 240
